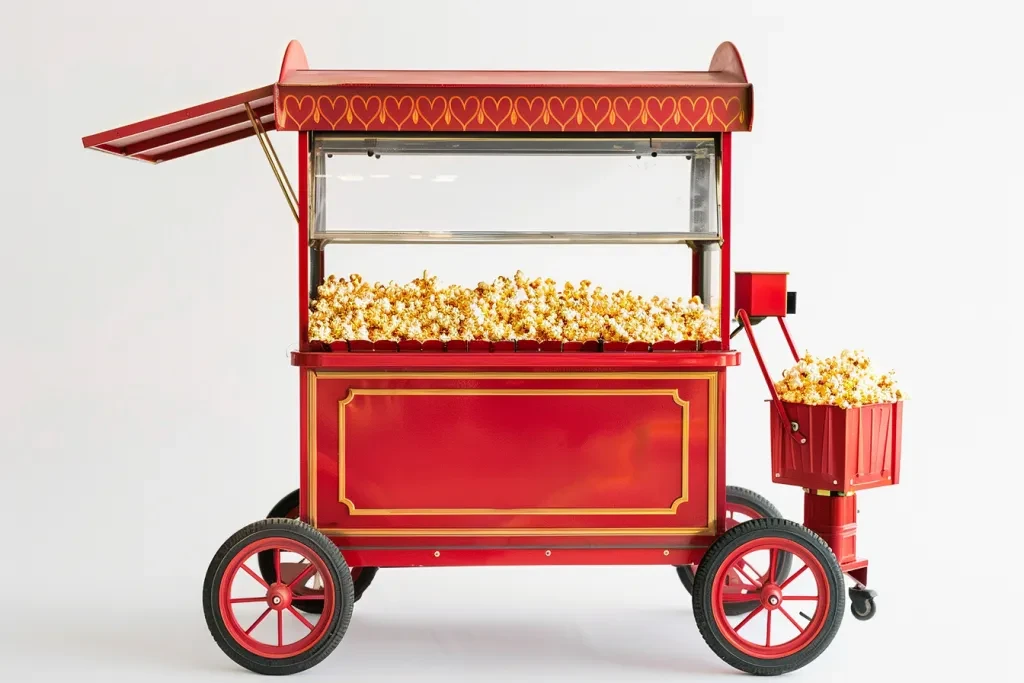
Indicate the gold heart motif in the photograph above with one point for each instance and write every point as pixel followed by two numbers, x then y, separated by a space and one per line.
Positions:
pixel 562 105
pixel 665 116
pixel 398 102
pixel 497 110
pixel 596 106
pixel 695 117
pixel 629 105
pixel 431 103
pixel 726 105
pixel 333 103
pixel 529 108
pixel 299 105
pixel 365 101
pixel 463 104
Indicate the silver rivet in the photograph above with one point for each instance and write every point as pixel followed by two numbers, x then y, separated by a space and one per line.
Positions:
pixel 437 553
pixel 889 478
pixel 666 553
pixel 834 481
pixel 547 553
pixel 777 474
pixel 277 600
pixel 851 482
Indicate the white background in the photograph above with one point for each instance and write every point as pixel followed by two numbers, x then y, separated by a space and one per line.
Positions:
pixel 148 409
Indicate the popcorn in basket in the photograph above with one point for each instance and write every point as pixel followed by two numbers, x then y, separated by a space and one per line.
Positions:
pixel 846 380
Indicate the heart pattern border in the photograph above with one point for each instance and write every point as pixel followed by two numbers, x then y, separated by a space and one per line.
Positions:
pixel 514 111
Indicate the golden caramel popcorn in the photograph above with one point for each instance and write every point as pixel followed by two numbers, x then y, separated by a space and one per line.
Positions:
pixel 508 308
pixel 846 380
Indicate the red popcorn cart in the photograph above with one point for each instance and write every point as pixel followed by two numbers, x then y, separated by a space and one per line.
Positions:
pixel 510 449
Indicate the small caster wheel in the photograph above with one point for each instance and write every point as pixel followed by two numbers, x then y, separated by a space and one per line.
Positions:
pixel 862 603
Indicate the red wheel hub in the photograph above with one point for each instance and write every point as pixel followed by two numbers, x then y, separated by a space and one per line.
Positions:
pixel 771 596
pixel 279 596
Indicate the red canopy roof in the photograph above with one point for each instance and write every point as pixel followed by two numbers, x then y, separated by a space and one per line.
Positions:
pixel 717 100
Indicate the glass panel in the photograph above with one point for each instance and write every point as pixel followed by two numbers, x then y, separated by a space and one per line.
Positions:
pixel 499 186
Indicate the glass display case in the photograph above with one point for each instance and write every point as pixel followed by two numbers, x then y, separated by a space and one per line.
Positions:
pixel 618 211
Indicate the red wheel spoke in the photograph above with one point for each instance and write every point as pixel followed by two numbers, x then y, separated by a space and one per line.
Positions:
pixel 277 565
pixel 791 619
pixel 303 575
pixel 800 597
pixel 255 576
pixel 304 620
pixel 792 578
pixel 280 628
pixel 739 597
pixel 742 565
pixel 773 556
pixel 257 622
pixel 311 596
pixel 768 631
pixel 259 599
pixel 740 583
pixel 747 620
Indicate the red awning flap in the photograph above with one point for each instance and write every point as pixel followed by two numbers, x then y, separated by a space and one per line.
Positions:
pixel 190 130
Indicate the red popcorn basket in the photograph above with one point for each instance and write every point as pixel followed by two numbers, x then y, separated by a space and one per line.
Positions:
pixel 835 449
pixel 828 448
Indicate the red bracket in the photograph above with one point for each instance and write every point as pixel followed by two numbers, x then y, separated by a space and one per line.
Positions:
pixel 745 322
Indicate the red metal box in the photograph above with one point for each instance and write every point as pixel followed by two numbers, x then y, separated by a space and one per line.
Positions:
pixel 845 450
pixel 761 295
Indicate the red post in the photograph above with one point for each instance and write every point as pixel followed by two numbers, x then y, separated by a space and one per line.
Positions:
pixel 304 387
pixel 834 518
pixel 726 265
pixel 303 241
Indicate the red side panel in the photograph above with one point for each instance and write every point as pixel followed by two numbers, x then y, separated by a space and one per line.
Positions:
pixel 401 457
pixel 190 130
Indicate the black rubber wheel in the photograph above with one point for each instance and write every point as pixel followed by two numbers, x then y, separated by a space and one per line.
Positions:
pixel 826 605
pixel 753 506
pixel 862 603
pixel 288 508
pixel 219 601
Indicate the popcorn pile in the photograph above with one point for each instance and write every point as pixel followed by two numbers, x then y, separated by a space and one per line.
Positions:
pixel 846 380
pixel 505 309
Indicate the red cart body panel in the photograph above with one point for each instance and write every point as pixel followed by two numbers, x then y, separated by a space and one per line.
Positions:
pixel 499 458
pixel 576 458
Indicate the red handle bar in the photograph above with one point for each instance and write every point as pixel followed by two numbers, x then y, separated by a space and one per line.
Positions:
pixel 745 322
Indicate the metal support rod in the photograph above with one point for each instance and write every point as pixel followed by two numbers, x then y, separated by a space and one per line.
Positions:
pixel 789 340
pixel 508 237
pixel 293 205
pixel 794 427
pixel 270 144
